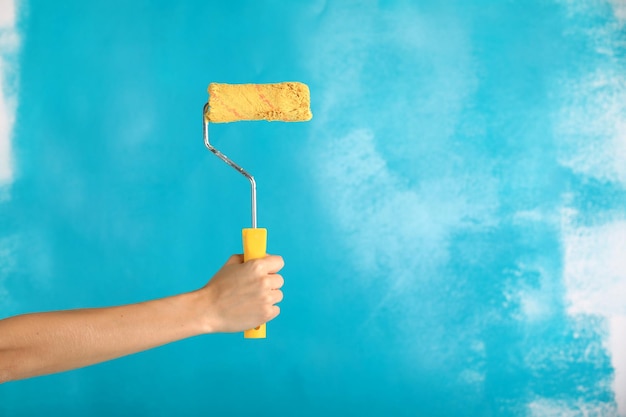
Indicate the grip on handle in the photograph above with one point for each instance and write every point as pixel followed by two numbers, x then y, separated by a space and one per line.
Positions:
pixel 254 247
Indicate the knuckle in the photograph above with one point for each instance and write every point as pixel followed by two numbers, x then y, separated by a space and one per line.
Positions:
pixel 257 266
pixel 267 314
pixel 281 281
pixel 271 312
pixel 273 282
pixel 267 298
pixel 266 283
pixel 269 282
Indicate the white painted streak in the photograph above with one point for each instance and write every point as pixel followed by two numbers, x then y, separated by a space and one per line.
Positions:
pixel 617 345
pixel 9 42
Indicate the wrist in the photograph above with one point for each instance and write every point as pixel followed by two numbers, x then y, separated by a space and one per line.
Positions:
pixel 201 311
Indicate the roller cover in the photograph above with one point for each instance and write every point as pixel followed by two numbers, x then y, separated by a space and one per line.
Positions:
pixel 287 102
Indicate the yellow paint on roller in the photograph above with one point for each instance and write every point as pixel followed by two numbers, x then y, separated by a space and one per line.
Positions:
pixel 287 102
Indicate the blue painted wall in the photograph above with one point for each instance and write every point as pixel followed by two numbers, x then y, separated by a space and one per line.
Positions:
pixel 452 219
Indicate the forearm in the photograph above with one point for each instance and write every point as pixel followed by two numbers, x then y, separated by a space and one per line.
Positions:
pixel 239 296
pixel 44 343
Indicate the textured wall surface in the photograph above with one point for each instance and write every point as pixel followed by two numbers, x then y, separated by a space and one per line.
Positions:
pixel 453 218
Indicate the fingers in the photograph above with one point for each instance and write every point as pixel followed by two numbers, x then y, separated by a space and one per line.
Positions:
pixel 271 264
pixel 273 282
pixel 273 313
pixel 277 296
pixel 276 311
pixel 243 294
pixel 275 263
pixel 267 265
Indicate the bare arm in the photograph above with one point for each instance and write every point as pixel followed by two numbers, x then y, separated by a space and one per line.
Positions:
pixel 240 296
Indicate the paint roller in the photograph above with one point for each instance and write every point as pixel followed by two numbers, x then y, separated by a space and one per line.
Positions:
pixel 287 102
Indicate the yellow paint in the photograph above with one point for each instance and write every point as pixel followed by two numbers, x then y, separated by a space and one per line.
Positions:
pixel 287 102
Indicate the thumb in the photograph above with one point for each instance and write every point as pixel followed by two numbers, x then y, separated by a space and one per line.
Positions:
pixel 234 260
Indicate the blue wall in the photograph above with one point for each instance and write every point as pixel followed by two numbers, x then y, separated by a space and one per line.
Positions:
pixel 452 219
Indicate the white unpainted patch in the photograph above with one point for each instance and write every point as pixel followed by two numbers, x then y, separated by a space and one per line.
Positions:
pixel 9 43
pixel 594 7
pixel 546 407
pixel 617 345
pixel 595 281
pixel 619 8
pixel 595 269
pixel 8 13
pixel 592 132
pixel 531 291
pixel 593 127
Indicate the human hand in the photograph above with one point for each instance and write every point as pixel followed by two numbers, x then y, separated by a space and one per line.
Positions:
pixel 242 296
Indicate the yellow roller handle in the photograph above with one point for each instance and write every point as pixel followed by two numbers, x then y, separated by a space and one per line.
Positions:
pixel 254 247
